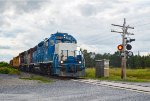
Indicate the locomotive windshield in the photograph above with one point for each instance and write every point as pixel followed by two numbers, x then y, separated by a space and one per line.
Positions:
pixel 65 53
pixel 65 39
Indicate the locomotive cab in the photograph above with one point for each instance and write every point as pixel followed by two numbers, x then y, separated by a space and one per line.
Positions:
pixel 68 61
pixel 72 61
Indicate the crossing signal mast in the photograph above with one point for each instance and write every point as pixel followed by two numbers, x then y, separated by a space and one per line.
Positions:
pixel 125 47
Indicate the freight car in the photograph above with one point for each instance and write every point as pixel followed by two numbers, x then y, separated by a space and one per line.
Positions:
pixel 15 62
pixel 56 55
pixel 11 62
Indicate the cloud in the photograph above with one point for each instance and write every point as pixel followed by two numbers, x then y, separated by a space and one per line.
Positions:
pixel 21 5
pixel 5 57
pixel 24 23
pixel 5 47
pixel 88 9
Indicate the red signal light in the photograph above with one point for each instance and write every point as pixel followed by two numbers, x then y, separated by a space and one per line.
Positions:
pixel 120 47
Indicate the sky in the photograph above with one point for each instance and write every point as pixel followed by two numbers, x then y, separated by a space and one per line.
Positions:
pixel 24 23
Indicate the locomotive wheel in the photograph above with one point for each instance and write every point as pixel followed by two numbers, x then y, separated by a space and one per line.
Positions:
pixel 49 69
pixel 41 68
pixel 32 68
pixel 44 69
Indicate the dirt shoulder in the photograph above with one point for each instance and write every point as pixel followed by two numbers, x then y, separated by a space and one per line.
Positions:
pixel 23 79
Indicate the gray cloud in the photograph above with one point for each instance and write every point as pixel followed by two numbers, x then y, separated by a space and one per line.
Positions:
pixel 27 22
pixel 27 6
pixel 99 6
pixel 2 6
pixel 5 47
pixel 88 10
pixel 21 6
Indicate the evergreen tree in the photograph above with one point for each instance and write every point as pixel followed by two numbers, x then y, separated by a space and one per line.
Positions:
pixel 133 62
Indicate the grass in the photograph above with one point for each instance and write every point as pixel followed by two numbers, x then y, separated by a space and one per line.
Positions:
pixel 39 78
pixel 133 75
pixel 4 64
pixel 5 68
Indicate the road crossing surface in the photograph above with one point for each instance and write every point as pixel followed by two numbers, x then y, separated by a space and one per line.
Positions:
pixel 120 85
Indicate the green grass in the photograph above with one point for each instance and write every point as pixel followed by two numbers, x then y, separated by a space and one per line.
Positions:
pixel 39 78
pixel 5 68
pixel 133 75
pixel 4 64
pixel 90 73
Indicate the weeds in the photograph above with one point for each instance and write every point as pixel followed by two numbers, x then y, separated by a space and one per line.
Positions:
pixel 133 75
pixel 5 68
pixel 4 64
pixel 40 78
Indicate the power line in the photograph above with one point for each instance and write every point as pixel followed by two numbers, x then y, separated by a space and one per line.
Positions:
pixel 96 37
pixel 102 39
pixel 142 30
pixel 142 24
pixel 140 21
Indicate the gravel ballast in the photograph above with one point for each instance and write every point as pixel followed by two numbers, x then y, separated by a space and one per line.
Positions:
pixel 14 89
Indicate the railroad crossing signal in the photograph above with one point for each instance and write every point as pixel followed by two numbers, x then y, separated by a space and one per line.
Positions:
pixel 120 47
pixel 124 47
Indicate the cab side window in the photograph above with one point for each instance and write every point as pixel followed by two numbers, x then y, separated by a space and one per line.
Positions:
pixel 51 42
pixel 46 44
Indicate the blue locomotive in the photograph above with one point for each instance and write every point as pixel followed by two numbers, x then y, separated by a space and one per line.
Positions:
pixel 57 55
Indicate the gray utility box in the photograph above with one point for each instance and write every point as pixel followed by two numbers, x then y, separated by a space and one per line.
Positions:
pixel 102 68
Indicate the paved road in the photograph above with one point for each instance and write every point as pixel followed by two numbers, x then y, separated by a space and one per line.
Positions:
pixel 62 90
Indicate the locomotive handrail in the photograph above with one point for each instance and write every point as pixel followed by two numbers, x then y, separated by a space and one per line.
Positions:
pixel 83 59
pixel 54 59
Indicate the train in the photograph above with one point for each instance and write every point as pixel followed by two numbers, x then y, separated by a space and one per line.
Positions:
pixel 57 55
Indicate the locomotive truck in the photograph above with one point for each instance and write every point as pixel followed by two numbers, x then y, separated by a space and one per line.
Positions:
pixel 56 55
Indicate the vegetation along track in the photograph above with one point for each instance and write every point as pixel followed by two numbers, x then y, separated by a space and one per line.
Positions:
pixel 53 77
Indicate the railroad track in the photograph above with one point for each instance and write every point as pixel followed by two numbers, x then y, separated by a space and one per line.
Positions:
pixel 53 77
pixel 126 86
pixel 118 85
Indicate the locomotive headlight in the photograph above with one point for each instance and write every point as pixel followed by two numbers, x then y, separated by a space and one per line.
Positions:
pixel 61 62
pixel 79 61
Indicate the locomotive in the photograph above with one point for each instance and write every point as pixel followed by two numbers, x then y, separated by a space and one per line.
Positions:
pixel 56 55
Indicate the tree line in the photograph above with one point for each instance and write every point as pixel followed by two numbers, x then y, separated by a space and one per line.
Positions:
pixel 134 62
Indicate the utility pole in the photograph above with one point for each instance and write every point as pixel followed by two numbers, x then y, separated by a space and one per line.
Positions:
pixel 124 44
